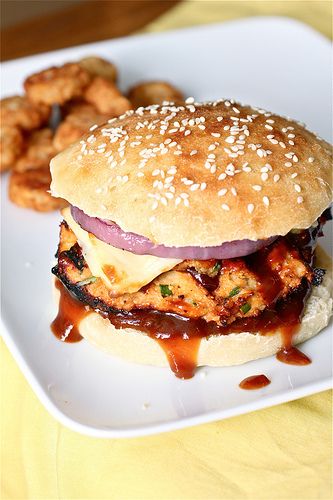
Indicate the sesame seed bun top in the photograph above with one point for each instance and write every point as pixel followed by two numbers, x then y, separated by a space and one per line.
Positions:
pixel 198 174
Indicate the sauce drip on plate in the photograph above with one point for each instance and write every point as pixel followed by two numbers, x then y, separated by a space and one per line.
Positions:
pixel 293 356
pixel 254 382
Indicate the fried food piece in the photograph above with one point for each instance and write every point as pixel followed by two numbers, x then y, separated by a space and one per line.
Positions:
pixel 155 92
pixel 106 97
pixel 30 190
pixel 57 85
pixel 240 292
pixel 97 66
pixel 18 111
pixel 11 146
pixel 78 107
pixel 39 151
pixel 76 124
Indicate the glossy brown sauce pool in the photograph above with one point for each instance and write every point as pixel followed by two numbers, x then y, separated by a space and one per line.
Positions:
pixel 208 282
pixel 254 382
pixel 180 337
pixel 70 312
pixel 293 356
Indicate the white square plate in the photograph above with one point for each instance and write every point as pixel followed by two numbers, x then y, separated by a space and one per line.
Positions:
pixel 274 63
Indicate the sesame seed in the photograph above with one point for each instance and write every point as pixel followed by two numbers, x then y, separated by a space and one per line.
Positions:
pixel 234 191
pixel 282 144
pixel 297 188
pixel 225 206
pixel 222 176
pixel 270 121
pixel 311 159
pixel 230 139
pixel 256 187
pixel 288 164
pixel 193 152
pixel 219 118
pixel 189 100
pixel 93 128
pixel 276 178
pixel 295 158
pixel 222 192
pixel 264 176
pixel 266 201
pixel 269 127
pixel 295 174
pixel 250 208
pixel 187 132
pixel 215 134
pixel 299 199
pixel 211 147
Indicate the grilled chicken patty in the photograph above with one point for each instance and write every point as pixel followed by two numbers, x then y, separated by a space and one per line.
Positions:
pixel 215 290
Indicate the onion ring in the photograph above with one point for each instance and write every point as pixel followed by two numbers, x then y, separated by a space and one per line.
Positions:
pixel 111 233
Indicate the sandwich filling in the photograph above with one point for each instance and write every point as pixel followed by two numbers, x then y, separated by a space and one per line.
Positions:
pixel 179 302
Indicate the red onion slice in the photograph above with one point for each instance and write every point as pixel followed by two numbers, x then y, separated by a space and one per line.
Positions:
pixel 111 233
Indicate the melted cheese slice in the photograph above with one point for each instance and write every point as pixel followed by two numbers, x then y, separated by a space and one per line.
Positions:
pixel 121 271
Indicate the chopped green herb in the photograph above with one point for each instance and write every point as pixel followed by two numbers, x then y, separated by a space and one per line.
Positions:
pixel 87 281
pixel 245 308
pixel 234 291
pixel 216 268
pixel 165 291
pixel 194 303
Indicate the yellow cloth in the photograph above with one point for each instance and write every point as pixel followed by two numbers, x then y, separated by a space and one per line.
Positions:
pixel 317 14
pixel 277 453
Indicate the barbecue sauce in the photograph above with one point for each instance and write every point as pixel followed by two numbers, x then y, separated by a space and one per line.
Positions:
pixel 254 382
pixel 180 337
pixel 293 356
pixel 70 312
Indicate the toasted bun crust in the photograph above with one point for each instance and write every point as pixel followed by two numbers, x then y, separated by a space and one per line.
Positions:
pixel 220 350
pixel 198 174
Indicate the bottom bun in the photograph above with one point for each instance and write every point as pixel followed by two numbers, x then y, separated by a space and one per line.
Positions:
pixel 217 350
